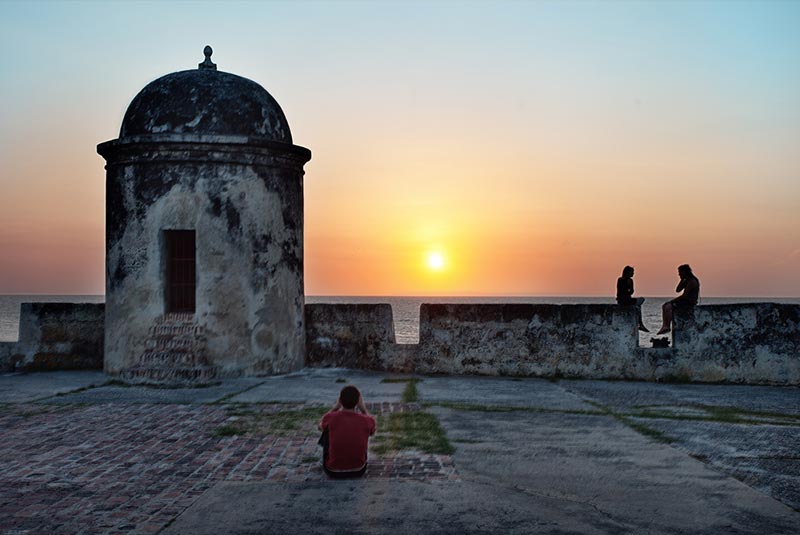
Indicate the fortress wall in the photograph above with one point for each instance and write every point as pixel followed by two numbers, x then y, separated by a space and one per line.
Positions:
pixel 56 336
pixel 591 341
pixel 741 343
pixel 352 336
pixel 738 343
pixel 754 343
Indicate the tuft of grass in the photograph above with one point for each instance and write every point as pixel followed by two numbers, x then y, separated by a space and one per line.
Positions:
pixel 292 419
pixel 309 459
pixel 249 420
pixel 228 430
pixel 411 431
pixel 341 380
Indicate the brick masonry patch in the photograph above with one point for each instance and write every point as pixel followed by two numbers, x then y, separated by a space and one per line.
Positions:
pixel 134 468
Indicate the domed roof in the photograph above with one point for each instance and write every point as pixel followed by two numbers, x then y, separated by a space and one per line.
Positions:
pixel 205 101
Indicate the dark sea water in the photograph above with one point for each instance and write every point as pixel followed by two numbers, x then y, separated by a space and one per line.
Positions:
pixel 405 309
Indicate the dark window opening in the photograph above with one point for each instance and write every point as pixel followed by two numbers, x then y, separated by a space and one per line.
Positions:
pixel 180 270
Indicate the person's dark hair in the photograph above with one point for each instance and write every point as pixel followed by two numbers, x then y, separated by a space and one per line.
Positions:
pixel 627 271
pixel 349 396
pixel 685 270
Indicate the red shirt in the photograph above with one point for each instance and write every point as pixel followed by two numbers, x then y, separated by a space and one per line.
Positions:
pixel 348 438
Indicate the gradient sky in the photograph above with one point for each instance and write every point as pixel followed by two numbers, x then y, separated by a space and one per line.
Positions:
pixel 537 146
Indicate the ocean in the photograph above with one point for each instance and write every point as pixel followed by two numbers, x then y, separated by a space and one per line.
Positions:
pixel 405 309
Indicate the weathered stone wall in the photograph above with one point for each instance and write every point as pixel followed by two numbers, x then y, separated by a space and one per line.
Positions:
pixel 56 336
pixel 744 343
pixel 243 198
pixel 357 336
pixel 739 343
pixel 520 339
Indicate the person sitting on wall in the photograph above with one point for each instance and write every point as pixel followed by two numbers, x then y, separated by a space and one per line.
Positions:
pixel 690 285
pixel 625 294
pixel 346 429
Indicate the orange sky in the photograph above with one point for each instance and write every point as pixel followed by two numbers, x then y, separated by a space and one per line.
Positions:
pixel 538 147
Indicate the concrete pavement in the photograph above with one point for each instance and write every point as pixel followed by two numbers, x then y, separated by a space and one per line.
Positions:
pixel 531 456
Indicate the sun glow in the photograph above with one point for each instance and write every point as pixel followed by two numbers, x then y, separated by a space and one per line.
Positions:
pixel 436 261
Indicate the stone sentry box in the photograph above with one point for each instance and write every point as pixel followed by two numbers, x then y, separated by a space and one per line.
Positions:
pixel 208 153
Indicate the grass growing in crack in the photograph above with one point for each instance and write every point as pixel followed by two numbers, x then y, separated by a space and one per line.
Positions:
pixel 293 419
pixel 640 428
pixel 410 431
pixel 474 407
pixel 466 441
pixel 733 413
pixel 721 414
pixel 76 391
pixel 410 393
pixel 340 380
pixel 645 430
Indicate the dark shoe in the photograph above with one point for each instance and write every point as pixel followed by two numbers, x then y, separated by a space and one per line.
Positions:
pixel 643 328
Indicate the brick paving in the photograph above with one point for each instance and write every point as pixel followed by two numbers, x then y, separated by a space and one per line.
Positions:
pixel 132 469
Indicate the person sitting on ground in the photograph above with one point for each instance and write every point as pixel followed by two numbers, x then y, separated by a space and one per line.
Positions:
pixel 625 294
pixel 346 429
pixel 690 285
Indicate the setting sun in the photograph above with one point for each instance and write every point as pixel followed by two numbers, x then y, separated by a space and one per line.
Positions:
pixel 435 261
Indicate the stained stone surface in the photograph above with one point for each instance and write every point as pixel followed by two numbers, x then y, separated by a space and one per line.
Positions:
pixel 203 101
pixel 746 343
pixel 56 336
pixel 209 152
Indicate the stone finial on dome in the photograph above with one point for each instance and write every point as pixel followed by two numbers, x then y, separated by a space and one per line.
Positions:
pixel 207 63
